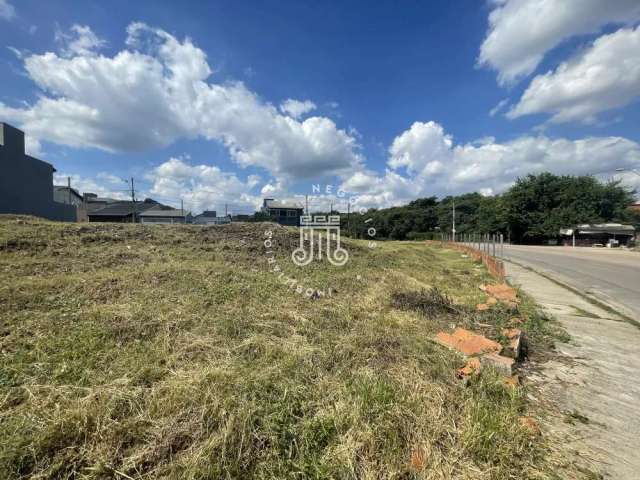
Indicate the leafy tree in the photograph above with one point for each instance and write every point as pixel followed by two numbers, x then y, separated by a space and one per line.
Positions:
pixel 537 206
pixel 531 211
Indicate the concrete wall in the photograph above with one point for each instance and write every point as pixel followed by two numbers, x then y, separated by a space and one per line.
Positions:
pixel 26 183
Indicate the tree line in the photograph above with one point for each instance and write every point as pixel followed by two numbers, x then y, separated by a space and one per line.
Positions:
pixel 532 211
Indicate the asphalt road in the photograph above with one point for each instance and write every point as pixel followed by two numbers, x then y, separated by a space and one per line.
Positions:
pixel 609 275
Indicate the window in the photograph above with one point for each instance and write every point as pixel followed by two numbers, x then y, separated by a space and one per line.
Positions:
pixel 292 213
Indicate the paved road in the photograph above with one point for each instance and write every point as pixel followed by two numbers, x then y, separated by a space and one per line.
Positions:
pixel 595 375
pixel 610 275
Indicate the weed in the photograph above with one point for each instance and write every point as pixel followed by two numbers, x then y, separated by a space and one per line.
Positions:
pixel 173 352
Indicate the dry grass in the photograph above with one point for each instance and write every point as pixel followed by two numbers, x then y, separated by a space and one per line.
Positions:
pixel 132 351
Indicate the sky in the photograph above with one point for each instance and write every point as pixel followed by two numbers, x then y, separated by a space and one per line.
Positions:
pixel 225 103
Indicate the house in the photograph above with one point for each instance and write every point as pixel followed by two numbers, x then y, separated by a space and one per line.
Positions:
pixel 213 220
pixel 284 213
pixel 122 211
pixel 587 235
pixel 205 218
pixel 93 202
pixel 67 195
pixel 70 196
pixel 165 216
pixel 26 183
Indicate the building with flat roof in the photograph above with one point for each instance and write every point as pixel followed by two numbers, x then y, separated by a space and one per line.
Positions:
pixel 284 213
pixel 165 216
pixel 26 183
pixel 121 211
pixel 588 235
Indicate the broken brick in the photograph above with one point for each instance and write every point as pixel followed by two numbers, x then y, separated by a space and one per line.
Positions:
pixel 530 424
pixel 503 365
pixel 467 342
pixel 472 366
pixel 502 292
pixel 516 343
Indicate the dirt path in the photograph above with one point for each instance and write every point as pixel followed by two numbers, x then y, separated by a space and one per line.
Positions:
pixel 595 381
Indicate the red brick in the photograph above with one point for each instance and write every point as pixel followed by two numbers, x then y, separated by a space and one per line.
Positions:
pixel 503 365
pixel 517 341
pixel 467 342
pixel 502 292
pixel 472 366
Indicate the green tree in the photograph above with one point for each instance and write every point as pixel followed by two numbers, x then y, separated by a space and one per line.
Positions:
pixel 537 206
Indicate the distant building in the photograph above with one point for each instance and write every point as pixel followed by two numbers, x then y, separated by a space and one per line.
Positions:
pixel 206 217
pixel 122 211
pixel 70 196
pixel 284 213
pixel 588 235
pixel 26 183
pixel 66 195
pixel 93 202
pixel 163 216
pixel 241 218
pixel 217 221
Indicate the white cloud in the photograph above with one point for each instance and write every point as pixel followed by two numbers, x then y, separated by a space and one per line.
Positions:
pixel 7 12
pixel 111 179
pixel 630 180
pixel 522 31
pixel 297 108
pixel 90 185
pixel 15 51
pixel 32 146
pixel 156 91
pixel 436 166
pixel 499 106
pixel 421 148
pixel 603 77
pixel 79 41
pixel 202 187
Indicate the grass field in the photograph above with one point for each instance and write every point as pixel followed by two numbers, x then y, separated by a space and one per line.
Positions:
pixel 132 351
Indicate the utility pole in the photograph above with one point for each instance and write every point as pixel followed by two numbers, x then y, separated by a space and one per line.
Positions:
pixel 182 207
pixel 453 229
pixel 331 208
pixel 133 199
pixel 306 201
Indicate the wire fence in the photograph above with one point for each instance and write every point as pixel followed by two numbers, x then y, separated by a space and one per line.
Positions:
pixel 488 248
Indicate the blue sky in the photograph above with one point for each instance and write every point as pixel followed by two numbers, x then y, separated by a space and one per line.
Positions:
pixel 189 98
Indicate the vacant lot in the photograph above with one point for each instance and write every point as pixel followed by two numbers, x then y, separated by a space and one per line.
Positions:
pixel 132 351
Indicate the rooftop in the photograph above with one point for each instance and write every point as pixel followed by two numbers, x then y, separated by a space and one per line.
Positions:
pixel 283 204
pixel 165 213
pixel 64 188
pixel 122 208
